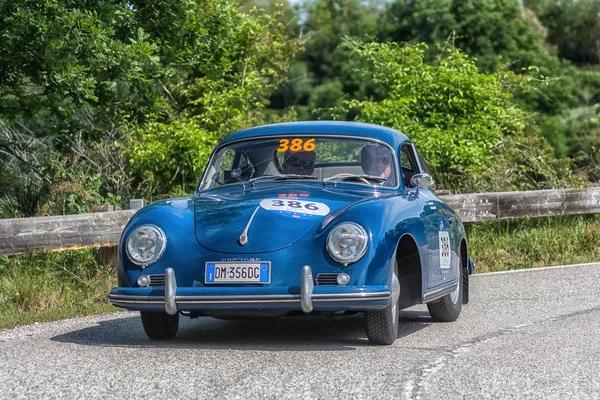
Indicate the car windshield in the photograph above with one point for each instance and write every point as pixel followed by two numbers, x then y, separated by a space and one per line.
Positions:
pixel 306 157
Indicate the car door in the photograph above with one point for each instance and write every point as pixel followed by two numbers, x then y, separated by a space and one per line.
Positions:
pixel 438 223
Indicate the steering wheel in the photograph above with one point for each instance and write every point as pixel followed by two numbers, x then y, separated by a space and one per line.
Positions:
pixel 344 175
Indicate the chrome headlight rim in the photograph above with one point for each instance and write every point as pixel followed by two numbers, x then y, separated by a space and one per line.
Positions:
pixel 161 234
pixel 359 255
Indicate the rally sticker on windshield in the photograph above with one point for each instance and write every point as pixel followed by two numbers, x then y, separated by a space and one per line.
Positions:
pixel 297 144
pixel 297 208
pixel 444 239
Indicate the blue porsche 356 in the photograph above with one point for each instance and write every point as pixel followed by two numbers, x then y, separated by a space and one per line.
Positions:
pixel 308 217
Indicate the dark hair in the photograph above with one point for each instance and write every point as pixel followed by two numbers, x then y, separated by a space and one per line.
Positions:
pixel 368 151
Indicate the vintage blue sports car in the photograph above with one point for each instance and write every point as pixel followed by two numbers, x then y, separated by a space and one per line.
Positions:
pixel 307 217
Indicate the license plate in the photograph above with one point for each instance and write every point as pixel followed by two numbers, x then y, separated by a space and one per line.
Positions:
pixel 237 272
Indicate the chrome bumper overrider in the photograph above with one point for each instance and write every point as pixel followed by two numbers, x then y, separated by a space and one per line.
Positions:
pixel 308 299
pixel 306 290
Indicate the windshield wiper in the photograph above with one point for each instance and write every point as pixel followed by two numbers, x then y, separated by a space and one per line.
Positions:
pixel 259 178
pixel 376 179
pixel 281 177
pixel 294 176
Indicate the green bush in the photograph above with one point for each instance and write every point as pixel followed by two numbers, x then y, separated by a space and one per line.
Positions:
pixel 466 123
pixel 324 97
pixel 553 128
pixel 219 98
pixel 455 113
pixel 45 287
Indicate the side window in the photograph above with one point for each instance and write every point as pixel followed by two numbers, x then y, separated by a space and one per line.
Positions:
pixel 245 167
pixel 405 162
pixel 224 166
pixel 234 167
pixel 424 164
pixel 408 163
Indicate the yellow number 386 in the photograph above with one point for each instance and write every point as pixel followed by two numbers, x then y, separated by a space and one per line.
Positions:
pixel 296 145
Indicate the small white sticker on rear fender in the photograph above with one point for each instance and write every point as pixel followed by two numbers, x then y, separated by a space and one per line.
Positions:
pixel 444 239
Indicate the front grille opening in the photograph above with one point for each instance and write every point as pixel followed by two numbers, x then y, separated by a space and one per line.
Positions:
pixel 157 280
pixel 327 280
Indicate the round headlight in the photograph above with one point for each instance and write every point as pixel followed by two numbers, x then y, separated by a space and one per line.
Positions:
pixel 347 243
pixel 145 245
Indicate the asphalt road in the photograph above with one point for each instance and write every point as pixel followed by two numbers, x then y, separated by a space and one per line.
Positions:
pixel 526 334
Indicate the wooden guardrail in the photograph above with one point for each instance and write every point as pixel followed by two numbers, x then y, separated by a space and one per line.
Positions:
pixel 476 207
pixel 25 235
pixel 30 235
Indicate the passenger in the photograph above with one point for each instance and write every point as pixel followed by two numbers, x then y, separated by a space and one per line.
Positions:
pixel 375 161
pixel 299 162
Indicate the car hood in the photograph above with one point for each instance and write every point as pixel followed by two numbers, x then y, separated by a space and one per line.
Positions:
pixel 267 219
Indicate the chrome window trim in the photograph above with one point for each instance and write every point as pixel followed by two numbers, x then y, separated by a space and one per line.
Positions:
pixel 414 153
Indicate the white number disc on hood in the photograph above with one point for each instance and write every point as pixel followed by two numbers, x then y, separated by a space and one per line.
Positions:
pixel 298 207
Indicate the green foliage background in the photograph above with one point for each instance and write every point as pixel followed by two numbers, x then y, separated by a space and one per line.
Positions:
pixel 101 102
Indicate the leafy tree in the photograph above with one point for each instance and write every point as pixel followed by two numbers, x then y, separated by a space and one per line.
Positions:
pixel 465 122
pixel 494 33
pixel 573 26
pixel 553 128
pixel 70 69
pixel 110 82
pixel 483 29
pixel 327 23
pixel 326 60
pixel 250 57
pixel 74 65
pixel 282 10
pixel 324 97
pixel 295 89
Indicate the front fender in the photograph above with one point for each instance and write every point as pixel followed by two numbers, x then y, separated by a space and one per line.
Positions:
pixel 175 217
pixel 386 221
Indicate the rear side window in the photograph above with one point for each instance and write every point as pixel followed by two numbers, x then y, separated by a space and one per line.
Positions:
pixel 425 167
pixel 408 163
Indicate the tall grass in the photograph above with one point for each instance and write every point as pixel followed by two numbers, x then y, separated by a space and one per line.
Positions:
pixel 535 242
pixel 45 287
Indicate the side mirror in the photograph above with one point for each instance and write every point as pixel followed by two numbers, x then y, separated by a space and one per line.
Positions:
pixel 421 181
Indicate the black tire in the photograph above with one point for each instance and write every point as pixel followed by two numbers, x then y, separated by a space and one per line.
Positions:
pixel 448 309
pixel 160 325
pixel 382 325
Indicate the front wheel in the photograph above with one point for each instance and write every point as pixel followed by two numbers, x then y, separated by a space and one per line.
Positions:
pixel 447 309
pixel 382 325
pixel 160 325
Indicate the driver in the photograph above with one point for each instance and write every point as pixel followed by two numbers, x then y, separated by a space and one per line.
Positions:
pixel 375 161
pixel 299 162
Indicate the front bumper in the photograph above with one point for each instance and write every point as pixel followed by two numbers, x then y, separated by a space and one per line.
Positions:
pixel 305 297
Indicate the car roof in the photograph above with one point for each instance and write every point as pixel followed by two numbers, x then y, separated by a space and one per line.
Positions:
pixel 335 128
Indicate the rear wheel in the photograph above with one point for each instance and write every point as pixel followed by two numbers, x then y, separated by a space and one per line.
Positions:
pixel 447 309
pixel 382 325
pixel 160 325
